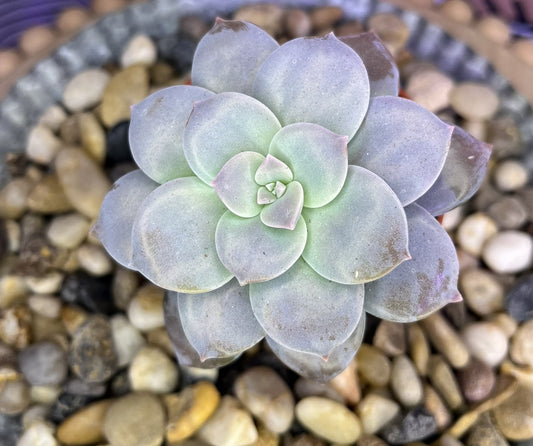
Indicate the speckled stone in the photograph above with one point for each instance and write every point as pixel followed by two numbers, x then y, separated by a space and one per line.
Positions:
pixel 375 412
pixel 509 252
pixel 514 417
pixel 416 425
pixel 92 356
pixel 85 90
pixel 189 410
pixel 405 382
pixel 84 426
pixel 44 364
pixel 518 302
pixel 390 338
pixel 482 291
pixel 267 396
pixel 151 370
pixel 486 341
pixel 328 419
pixel 230 425
pixel 137 419
pixel 476 380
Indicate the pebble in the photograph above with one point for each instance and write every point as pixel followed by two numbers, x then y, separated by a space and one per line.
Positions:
pixel 39 433
pixel 508 212
pixel 66 404
pixel 267 16
pixel 419 349
pixel 48 197
pixel 14 198
pixel 92 355
pixel 84 426
pixel 373 366
pixel 474 231
pixel 521 349
pixel 443 380
pixel 518 302
pixel 434 404
pixel 193 26
pixel 458 11
pixel 307 387
pixel 267 396
pixel 139 50
pixel 482 291
pixel 151 370
pixel 117 143
pixel 13 290
pixel 495 29
pixel 189 410
pixel 93 293
pixel 93 138
pixel 14 396
pixel 476 380
pixel 10 59
pixel 36 412
pixel 484 433
pixel 85 90
pixel 446 340
pixel 474 101
pixel 486 342
pixel 127 339
pixel 15 327
pixel 390 338
pixel 49 283
pixel 346 383
pixel 145 310
pixel 405 382
pixel 523 49
pixel 328 419
pixel 349 28
pixel 94 259
pixel 371 440
pixel 53 117
pixel 72 19
pixel 514 417
pixel 416 425
pixel 137 419
pixel 391 29
pixel 325 17
pixel 430 88
pixel 43 364
pixel 45 305
pixel 36 39
pixel 124 285
pixel 83 181
pixel 505 137
pixel 509 252
pixel 510 176
pixel 230 425
pixel 44 394
pixel 103 7
pixel 297 23
pixel 375 412
pixel 70 130
pixel 68 231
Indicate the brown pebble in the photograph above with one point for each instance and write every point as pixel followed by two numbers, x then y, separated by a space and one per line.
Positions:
pixel 36 39
pixel 391 29
pixel 9 61
pixel 69 130
pixel 457 10
pixel 47 197
pixel 442 378
pixel 72 19
pixel 161 73
pixel 107 6
pixel 521 48
pixel 390 338
pixel 418 348
pixel 347 384
pixel 349 29
pixel 267 16
pixel 325 17
pixel 514 417
pixel 297 23
pixel 494 29
pixel 476 380
pixel 373 366
pixel 433 402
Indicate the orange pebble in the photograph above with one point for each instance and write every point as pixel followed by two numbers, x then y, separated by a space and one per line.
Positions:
pixel 36 39
pixel 72 19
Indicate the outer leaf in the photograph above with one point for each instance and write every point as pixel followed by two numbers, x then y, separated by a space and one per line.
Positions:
pixel 115 221
pixel 318 80
pixel 156 131
pixel 303 311
pixel 313 367
pixel 285 212
pixel 403 143
pixel 272 170
pixel 228 56
pixel 317 158
pixel 422 285
pixel 461 176
pixel 221 127
pixel 380 65
pixel 254 252
pixel 361 235
pixel 235 184
pixel 220 323
pixel 185 352
pixel 174 237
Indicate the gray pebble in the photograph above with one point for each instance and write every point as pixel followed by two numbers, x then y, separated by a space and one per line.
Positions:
pixel 508 212
pixel 416 425
pixel 518 301
pixel 44 364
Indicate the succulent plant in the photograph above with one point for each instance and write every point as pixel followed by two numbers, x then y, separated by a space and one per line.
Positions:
pixel 284 193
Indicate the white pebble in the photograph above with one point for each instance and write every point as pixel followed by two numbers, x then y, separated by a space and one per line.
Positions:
pixel 126 338
pixel 68 231
pixel 474 101
pixel 509 252
pixel 510 176
pixel 139 50
pixel 38 434
pixel 481 290
pixel 42 145
pixel 145 310
pixel 53 117
pixel 430 88
pixel 45 305
pixel 94 259
pixel 486 341
pixel 14 198
pixel 85 90
pixel 48 284
pixel 474 231
pixel 151 370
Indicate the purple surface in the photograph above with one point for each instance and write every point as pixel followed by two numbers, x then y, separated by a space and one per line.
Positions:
pixel 18 15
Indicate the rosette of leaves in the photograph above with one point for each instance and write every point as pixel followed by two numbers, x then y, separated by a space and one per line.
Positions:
pixel 284 193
